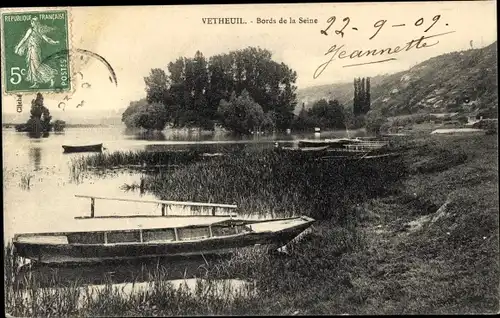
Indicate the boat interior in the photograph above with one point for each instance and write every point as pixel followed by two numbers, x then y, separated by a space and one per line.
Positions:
pixel 226 228
pixel 137 236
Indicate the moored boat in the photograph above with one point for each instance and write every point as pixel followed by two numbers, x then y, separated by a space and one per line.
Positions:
pixel 342 143
pixel 151 237
pixel 331 143
pixel 83 148
pixel 303 150
pixel 98 239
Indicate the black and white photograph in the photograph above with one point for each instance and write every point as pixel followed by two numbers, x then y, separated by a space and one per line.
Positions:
pixel 251 159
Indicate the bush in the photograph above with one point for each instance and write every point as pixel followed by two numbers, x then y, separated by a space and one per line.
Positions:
pixel 59 125
pixel 141 114
pixel 242 114
pixel 374 121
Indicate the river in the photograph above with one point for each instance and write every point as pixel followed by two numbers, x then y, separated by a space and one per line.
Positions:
pixel 49 202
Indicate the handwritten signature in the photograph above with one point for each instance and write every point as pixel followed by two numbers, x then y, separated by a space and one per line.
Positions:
pixel 341 53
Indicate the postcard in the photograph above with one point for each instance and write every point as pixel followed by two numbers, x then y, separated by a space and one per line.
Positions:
pixel 254 159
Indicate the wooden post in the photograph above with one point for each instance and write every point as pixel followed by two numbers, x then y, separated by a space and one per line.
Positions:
pixel 163 212
pixel 210 231
pixel 92 204
pixel 213 211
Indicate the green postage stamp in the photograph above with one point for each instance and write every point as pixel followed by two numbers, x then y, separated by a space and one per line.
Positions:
pixel 36 51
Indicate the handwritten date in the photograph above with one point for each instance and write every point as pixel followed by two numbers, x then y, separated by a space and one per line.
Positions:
pixel 377 25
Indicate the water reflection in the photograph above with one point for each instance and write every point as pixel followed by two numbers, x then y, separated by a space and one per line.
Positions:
pixel 197 135
pixel 50 204
pixel 145 135
pixel 38 134
pixel 193 274
pixel 35 154
pixel 132 271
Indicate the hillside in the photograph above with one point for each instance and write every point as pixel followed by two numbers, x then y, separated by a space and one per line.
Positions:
pixel 463 81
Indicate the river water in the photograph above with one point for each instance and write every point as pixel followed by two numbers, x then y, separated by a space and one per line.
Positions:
pixel 49 203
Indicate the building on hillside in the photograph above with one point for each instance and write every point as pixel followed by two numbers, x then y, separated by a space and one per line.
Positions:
pixel 437 118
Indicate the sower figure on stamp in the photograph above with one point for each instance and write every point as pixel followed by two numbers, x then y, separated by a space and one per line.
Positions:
pixel 30 45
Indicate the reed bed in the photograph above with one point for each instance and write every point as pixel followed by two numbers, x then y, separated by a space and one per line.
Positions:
pixel 273 184
pixel 123 158
pixel 157 297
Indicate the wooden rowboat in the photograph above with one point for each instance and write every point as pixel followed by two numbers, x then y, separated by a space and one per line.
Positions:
pixel 332 143
pixel 98 239
pixel 84 148
pixel 343 143
pixel 153 237
pixel 303 150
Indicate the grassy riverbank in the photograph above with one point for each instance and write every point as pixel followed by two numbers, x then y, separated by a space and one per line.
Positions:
pixel 418 234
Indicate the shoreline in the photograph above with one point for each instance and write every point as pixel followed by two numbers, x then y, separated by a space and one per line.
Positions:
pixel 390 253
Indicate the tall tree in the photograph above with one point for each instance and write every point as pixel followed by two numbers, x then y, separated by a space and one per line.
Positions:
pixel 356 101
pixel 367 96
pixel 361 101
pixel 40 116
pixel 362 95
pixel 204 114
pixel 157 85
pixel 220 81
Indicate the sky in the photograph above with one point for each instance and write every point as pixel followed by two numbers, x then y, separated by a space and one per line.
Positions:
pixel 135 39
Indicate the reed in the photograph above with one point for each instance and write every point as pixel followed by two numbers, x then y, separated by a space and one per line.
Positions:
pixel 159 297
pixel 25 182
pixel 278 185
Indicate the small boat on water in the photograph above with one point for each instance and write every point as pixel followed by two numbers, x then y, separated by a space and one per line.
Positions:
pixel 83 148
pixel 104 238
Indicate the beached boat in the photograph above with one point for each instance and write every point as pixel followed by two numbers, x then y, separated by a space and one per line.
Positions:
pixel 97 239
pixel 355 156
pixel 342 144
pixel 303 150
pixel 332 143
pixel 143 237
pixel 83 148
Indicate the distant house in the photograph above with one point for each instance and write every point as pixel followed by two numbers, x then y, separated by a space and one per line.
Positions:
pixel 443 116
pixel 438 118
pixel 452 123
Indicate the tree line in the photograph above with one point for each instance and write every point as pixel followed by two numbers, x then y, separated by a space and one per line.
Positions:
pixel 242 90
pixel 325 114
pixel 330 114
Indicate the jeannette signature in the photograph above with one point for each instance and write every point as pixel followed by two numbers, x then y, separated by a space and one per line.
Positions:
pixel 341 53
